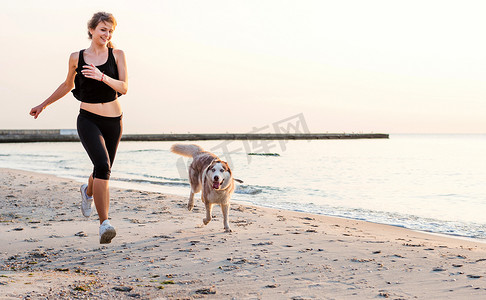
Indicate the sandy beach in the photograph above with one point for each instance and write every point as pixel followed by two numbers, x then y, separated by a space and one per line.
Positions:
pixel 163 251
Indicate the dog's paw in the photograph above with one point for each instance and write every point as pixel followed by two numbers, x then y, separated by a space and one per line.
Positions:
pixel 190 206
pixel 228 230
pixel 206 221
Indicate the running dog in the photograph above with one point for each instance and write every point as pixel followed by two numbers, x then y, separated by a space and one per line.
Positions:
pixel 211 175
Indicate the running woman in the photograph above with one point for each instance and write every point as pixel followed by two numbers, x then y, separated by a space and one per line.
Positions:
pixel 98 75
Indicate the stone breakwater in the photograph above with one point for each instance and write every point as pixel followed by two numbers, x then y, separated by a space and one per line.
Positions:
pixel 70 135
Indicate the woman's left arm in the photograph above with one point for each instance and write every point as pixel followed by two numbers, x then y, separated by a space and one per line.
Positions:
pixel 121 84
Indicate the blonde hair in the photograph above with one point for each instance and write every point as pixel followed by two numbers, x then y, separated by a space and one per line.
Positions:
pixel 101 17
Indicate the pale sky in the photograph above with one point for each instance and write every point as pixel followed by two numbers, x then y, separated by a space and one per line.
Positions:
pixel 231 66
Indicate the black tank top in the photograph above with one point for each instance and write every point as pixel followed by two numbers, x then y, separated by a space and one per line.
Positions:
pixel 93 91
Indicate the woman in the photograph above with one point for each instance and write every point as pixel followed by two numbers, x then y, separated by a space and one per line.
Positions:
pixel 98 75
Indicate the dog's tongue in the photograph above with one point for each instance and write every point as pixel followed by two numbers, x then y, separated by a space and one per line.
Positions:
pixel 216 185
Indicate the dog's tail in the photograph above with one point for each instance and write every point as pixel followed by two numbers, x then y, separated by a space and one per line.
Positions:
pixel 186 150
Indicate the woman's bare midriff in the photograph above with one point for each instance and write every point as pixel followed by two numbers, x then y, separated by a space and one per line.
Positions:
pixel 109 109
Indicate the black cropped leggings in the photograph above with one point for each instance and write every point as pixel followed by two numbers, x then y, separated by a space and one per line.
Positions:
pixel 100 137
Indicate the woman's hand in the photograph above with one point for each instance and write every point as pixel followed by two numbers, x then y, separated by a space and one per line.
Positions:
pixel 35 111
pixel 90 71
pixel 62 90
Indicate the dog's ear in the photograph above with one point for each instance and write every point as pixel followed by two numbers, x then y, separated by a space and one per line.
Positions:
pixel 226 166
pixel 211 164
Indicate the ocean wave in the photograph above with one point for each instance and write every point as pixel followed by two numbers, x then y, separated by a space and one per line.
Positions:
pixel 157 177
pixel 247 190
pixel 143 150
pixel 409 221
pixel 27 155
pixel 145 181
pixel 166 178
pixel 65 167
pixel 168 181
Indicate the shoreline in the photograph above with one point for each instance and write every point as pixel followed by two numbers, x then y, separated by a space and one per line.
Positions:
pixel 140 187
pixel 164 251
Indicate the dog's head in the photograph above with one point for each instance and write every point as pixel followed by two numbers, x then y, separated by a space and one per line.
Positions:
pixel 219 174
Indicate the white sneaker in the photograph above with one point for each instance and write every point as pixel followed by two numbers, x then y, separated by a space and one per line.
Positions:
pixel 107 232
pixel 86 201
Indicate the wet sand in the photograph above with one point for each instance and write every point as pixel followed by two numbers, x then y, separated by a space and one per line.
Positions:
pixel 163 251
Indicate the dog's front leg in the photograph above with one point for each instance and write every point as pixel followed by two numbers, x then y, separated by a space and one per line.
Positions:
pixel 190 204
pixel 209 207
pixel 225 209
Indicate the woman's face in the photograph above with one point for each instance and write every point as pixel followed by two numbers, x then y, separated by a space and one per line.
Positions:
pixel 102 33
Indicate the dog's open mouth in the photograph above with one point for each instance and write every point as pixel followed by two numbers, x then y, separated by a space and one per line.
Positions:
pixel 216 185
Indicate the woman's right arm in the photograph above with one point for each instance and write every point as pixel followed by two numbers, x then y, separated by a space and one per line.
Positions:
pixel 62 90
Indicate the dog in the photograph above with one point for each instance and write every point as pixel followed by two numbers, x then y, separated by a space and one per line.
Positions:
pixel 212 176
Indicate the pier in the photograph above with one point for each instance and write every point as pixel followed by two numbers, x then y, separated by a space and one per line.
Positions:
pixel 70 135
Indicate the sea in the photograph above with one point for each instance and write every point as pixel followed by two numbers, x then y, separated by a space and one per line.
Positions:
pixel 425 182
